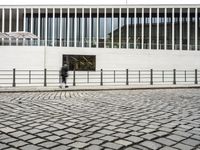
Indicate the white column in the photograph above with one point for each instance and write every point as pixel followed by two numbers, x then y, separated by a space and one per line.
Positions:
pixel 53 27
pixel 142 28
pixel 3 20
pixel 90 27
pixel 46 13
pixel 196 28
pixel 135 19
pixel 180 42
pixel 127 29
pixel 39 26
pixel 10 23
pixel 165 33
pixel 24 19
pixel 75 27
pixel 31 20
pixel 158 45
pixel 120 20
pixel 83 27
pixel 3 23
pixel 61 22
pixel 105 28
pixel 97 40
pixel 172 28
pixel 68 22
pixel 31 25
pixel 188 31
pixel 150 18
pixel 112 43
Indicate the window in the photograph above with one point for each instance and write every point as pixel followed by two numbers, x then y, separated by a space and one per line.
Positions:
pixel 80 62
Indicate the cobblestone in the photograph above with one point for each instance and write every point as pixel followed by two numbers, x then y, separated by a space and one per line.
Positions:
pixel 107 120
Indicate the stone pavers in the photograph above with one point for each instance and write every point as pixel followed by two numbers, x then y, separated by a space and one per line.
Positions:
pixel 97 120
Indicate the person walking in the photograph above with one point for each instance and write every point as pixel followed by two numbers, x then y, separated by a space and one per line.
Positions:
pixel 64 74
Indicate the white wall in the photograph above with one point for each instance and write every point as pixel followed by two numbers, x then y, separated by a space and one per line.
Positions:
pixel 22 57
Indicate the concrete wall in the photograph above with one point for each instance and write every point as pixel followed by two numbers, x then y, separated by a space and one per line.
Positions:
pixel 22 57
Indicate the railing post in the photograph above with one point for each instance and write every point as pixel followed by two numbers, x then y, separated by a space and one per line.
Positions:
pixel 139 76
pixel 151 76
pixel 14 81
pixel 185 76
pixel 88 76
pixel 174 76
pixel 196 78
pixel 29 76
pixel 45 77
pixel 114 76
pixel 163 76
pixel 101 73
pixel 127 82
pixel 74 77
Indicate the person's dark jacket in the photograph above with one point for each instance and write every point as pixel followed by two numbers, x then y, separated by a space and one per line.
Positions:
pixel 64 71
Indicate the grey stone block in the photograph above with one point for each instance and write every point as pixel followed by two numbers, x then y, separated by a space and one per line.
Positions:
pixel 151 145
pixel 112 145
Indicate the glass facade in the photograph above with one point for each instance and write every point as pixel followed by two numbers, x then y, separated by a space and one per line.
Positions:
pixel 121 28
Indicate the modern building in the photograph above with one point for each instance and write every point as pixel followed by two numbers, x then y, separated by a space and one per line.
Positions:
pixel 92 37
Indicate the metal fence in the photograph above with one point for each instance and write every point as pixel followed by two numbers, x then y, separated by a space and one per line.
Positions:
pixel 99 77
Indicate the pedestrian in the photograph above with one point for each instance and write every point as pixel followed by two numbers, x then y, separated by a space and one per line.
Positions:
pixel 64 74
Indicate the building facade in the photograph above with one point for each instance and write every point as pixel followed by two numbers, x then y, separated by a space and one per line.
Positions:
pixel 94 37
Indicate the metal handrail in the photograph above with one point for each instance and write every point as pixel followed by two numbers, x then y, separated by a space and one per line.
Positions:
pixel 47 77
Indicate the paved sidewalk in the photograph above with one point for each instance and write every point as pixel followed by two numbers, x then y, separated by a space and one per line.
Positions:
pixel 96 88
pixel 158 119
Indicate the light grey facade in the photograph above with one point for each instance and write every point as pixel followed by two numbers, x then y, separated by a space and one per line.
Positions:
pixel 93 37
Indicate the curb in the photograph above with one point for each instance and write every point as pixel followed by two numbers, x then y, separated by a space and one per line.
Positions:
pixel 99 89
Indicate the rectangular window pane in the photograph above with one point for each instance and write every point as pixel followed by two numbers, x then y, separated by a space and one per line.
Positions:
pixel 79 28
pixel 139 28
pixel 35 25
pixel 184 28
pixel 1 25
pixel 42 26
pixel 64 27
pixel 154 29
pixel 131 22
pixel 192 29
pixel 169 29
pixel 146 28
pixel 50 27
pixel 123 28
pixel 57 28
pixel 101 28
pixel 80 62
pixel 108 27
pixel 161 28
pixel 116 28
pixel 86 27
pixel 176 28
pixel 94 28
pixel 71 27
pixel 198 40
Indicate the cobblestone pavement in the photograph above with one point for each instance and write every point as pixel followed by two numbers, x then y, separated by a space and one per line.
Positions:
pixel 130 120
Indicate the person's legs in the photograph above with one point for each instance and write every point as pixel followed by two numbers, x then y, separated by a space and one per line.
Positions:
pixel 66 86
pixel 64 79
pixel 63 82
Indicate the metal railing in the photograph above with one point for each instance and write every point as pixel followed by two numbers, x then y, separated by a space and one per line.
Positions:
pixel 99 77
